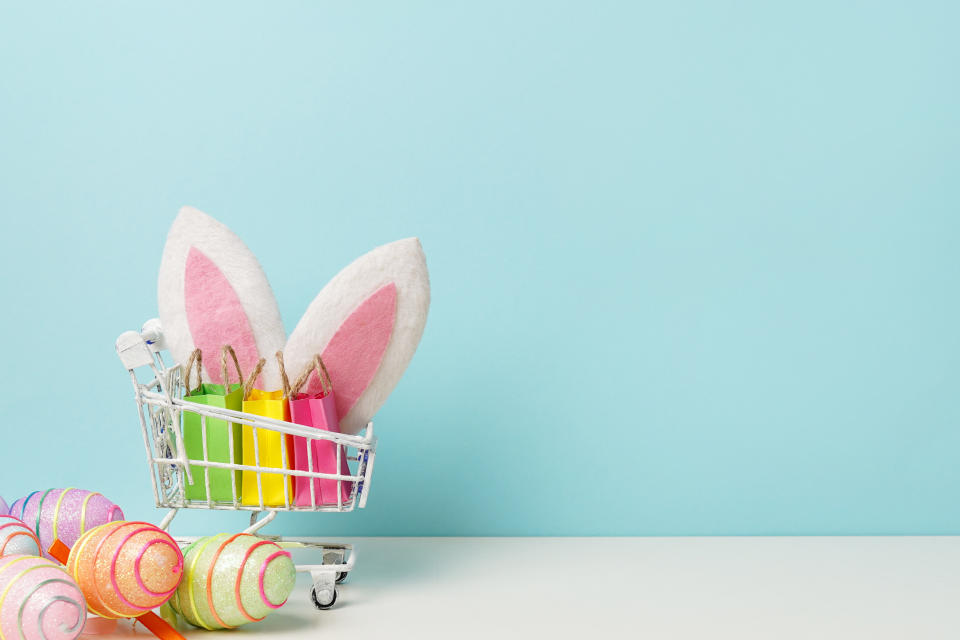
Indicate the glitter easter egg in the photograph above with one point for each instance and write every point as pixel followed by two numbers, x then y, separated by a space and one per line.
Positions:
pixel 231 580
pixel 126 568
pixel 39 600
pixel 17 538
pixel 4 509
pixel 64 514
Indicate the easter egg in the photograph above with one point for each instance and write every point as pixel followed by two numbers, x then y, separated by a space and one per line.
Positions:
pixel 39 600
pixel 4 509
pixel 230 580
pixel 17 538
pixel 64 514
pixel 126 568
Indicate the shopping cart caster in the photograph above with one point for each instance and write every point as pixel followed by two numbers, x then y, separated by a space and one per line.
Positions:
pixel 324 592
pixel 326 601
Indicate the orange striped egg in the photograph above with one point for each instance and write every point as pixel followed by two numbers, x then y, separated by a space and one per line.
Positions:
pixel 16 537
pixel 126 568
pixel 231 580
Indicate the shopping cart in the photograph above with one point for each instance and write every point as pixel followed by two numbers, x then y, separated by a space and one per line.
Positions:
pixel 159 392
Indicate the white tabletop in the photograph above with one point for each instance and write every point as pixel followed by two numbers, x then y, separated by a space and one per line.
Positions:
pixel 702 588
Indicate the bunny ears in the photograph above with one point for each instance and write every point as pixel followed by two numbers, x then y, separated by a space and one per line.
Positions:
pixel 366 323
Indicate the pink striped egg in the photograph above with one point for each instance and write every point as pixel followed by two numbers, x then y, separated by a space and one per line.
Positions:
pixel 39 600
pixel 17 538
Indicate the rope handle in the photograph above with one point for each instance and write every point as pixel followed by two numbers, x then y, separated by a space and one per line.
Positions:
pixel 248 386
pixel 196 357
pixel 227 349
pixel 326 385
pixel 252 380
pixel 283 375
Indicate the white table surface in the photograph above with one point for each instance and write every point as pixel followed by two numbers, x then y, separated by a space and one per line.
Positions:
pixel 703 588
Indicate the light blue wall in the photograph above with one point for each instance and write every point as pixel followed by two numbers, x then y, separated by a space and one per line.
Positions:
pixel 694 264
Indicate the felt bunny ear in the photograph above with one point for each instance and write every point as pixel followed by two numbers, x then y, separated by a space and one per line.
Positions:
pixel 366 324
pixel 213 292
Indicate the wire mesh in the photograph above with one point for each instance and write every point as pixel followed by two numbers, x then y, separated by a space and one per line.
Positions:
pixel 162 405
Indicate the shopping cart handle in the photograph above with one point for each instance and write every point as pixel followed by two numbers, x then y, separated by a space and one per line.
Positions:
pixel 152 333
pixel 133 351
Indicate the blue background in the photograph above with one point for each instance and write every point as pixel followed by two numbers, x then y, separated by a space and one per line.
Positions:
pixel 694 264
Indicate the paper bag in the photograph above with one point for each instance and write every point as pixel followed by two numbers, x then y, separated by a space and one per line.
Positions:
pixel 318 411
pixel 222 437
pixel 271 449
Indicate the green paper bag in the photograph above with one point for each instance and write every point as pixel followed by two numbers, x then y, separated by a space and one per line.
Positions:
pixel 219 447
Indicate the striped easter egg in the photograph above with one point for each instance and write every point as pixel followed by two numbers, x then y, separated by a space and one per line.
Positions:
pixel 39 600
pixel 231 580
pixel 126 568
pixel 4 509
pixel 17 538
pixel 64 514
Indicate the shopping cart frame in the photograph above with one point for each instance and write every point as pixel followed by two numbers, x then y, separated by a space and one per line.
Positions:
pixel 160 403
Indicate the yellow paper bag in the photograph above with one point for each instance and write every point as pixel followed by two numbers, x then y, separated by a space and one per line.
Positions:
pixel 272 449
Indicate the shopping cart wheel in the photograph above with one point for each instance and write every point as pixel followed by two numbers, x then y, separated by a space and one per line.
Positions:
pixel 321 601
pixel 342 576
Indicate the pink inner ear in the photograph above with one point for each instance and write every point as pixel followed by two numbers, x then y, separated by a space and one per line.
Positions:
pixel 216 317
pixel 353 355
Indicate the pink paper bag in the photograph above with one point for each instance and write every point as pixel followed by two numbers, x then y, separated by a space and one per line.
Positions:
pixel 319 411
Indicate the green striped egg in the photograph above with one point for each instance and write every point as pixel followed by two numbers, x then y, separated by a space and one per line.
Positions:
pixel 231 580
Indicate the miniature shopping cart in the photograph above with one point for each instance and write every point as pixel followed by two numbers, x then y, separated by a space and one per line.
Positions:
pixel 159 392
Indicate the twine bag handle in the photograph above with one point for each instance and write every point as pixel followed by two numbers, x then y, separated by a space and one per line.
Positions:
pixel 196 358
pixel 252 380
pixel 283 375
pixel 326 386
pixel 227 349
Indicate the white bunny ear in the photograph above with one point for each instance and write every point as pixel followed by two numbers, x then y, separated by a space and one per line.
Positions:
pixel 212 292
pixel 366 323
